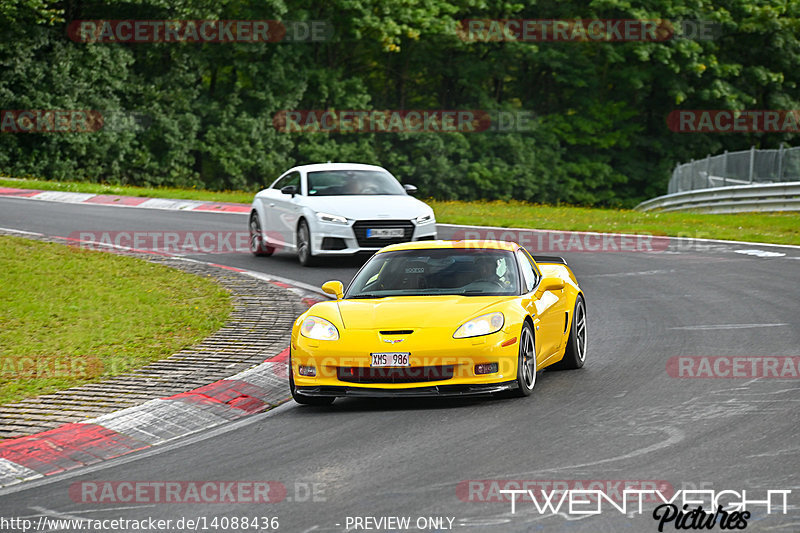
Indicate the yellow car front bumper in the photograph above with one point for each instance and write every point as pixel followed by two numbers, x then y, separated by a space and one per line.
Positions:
pixel 438 364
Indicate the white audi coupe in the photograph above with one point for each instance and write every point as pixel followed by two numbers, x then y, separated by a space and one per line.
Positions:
pixel 337 209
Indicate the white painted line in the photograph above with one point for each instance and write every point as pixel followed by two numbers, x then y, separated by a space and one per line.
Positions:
pixel 760 253
pixel 190 205
pixel 271 277
pixel 98 510
pixel 673 435
pixel 166 203
pixel 684 239
pixel 11 472
pixel 775 453
pixel 727 326
pixel 149 452
pixel 22 232
pixel 163 420
pixel 66 197
pixel 92 204
pixel 159 421
pixel 68 519
pixel 251 273
pixel 272 377
pixel 625 274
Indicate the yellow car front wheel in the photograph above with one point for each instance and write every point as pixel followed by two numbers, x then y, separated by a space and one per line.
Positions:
pixel 526 365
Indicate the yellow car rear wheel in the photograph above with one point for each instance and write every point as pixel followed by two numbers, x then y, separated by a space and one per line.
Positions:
pixel 575 352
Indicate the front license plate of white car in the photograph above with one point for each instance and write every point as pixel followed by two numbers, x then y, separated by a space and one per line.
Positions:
pixel 390 359
pixel 385 233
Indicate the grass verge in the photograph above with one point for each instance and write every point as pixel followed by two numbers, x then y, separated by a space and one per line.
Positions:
pixel 778 228
pixel 71 315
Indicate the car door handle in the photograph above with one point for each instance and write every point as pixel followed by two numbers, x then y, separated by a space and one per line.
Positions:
pixel 272 204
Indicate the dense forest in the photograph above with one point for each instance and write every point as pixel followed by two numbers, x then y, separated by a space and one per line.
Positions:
pixel 212 114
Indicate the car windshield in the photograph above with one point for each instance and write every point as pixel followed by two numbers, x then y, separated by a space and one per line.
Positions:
pixel 352 182
pixel 466 272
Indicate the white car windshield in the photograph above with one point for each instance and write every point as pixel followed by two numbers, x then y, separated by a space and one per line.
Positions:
pixel 466 272
pixel 352 182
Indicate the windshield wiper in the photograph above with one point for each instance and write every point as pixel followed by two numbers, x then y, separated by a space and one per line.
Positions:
pixel 478 292
pixel 366 295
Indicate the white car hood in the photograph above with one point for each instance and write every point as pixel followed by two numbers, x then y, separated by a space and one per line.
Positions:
pixel 373 207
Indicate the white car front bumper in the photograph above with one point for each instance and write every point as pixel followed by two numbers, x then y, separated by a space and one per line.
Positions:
pixel 339 239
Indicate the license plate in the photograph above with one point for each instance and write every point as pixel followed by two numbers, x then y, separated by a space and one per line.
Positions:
pixel 390 359
pixel 385 233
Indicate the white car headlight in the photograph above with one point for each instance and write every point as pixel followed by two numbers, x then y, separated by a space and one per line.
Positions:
pixel 424 219
pixel 318 328
pixel 482 325
pixel 335 219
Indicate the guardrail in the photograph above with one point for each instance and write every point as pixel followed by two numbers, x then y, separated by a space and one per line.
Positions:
pixel 736 199
pixel 737 168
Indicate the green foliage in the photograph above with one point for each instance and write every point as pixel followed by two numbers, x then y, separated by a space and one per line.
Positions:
pixel 201 115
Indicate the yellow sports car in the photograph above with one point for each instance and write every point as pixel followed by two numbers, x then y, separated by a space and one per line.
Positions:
pixel 440 318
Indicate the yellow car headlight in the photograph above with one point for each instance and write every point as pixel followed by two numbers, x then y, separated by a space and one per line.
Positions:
pixel 318 328
pixel 482 325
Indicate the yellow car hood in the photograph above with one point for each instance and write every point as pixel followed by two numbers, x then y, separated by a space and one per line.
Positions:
pixel 414 312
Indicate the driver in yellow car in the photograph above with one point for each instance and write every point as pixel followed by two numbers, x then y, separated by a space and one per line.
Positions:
pixel 487 267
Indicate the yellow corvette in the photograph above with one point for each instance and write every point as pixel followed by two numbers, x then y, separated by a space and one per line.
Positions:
pixel 440 318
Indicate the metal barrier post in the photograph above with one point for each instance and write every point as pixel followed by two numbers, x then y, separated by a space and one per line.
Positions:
pixel 752 161
pixel 725 168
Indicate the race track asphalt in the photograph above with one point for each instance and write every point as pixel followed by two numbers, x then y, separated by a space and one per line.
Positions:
pixel 621 417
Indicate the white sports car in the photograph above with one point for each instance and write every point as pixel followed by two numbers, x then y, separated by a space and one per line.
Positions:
pixel 337 209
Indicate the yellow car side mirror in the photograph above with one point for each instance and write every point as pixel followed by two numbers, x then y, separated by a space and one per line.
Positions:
pixel 549 284
pixel 334 288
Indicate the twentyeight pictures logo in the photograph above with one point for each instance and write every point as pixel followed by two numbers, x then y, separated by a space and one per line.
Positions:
pixel 681 509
